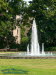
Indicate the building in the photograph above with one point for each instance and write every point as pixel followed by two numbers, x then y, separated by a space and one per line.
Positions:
pixel 17 31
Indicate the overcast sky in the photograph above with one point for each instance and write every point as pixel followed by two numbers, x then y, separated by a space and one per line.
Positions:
pixel 27 0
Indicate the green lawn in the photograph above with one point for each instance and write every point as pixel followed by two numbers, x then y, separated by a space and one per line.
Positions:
pixel 27 66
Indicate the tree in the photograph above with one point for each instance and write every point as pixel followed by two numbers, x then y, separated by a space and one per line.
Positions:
pixel 8 11
pixel 44 13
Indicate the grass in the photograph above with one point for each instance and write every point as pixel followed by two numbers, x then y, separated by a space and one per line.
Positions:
pixel 27 67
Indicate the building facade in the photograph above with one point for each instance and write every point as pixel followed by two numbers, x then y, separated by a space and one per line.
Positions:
pixel 17 32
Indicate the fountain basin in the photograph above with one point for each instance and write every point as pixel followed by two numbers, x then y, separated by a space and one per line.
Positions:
pixel 24 55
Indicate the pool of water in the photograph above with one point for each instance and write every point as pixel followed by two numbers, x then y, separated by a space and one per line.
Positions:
pixel 24 54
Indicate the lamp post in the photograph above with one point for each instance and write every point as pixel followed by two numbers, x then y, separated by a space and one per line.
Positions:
pixel 7 34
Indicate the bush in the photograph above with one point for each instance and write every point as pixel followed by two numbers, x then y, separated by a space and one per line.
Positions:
pixel 24 42
pixel 50 49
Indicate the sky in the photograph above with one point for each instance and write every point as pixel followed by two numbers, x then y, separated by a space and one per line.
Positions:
pixel 27 1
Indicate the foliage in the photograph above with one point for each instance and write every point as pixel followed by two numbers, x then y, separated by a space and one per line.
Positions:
pixel 50 49
pixel 8 11
pixel 45 15
pixel 24 43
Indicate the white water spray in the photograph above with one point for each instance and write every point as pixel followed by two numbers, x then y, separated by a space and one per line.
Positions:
pixel 43 49
pixel 28 49
pixel 35 47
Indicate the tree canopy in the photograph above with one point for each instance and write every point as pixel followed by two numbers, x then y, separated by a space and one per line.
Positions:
pixel 45 14
pixel 8 11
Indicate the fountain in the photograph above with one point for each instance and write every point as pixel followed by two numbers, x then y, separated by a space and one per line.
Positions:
pixel 43 53
pixel 28 49
pixel 34 50
pixel 35 47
